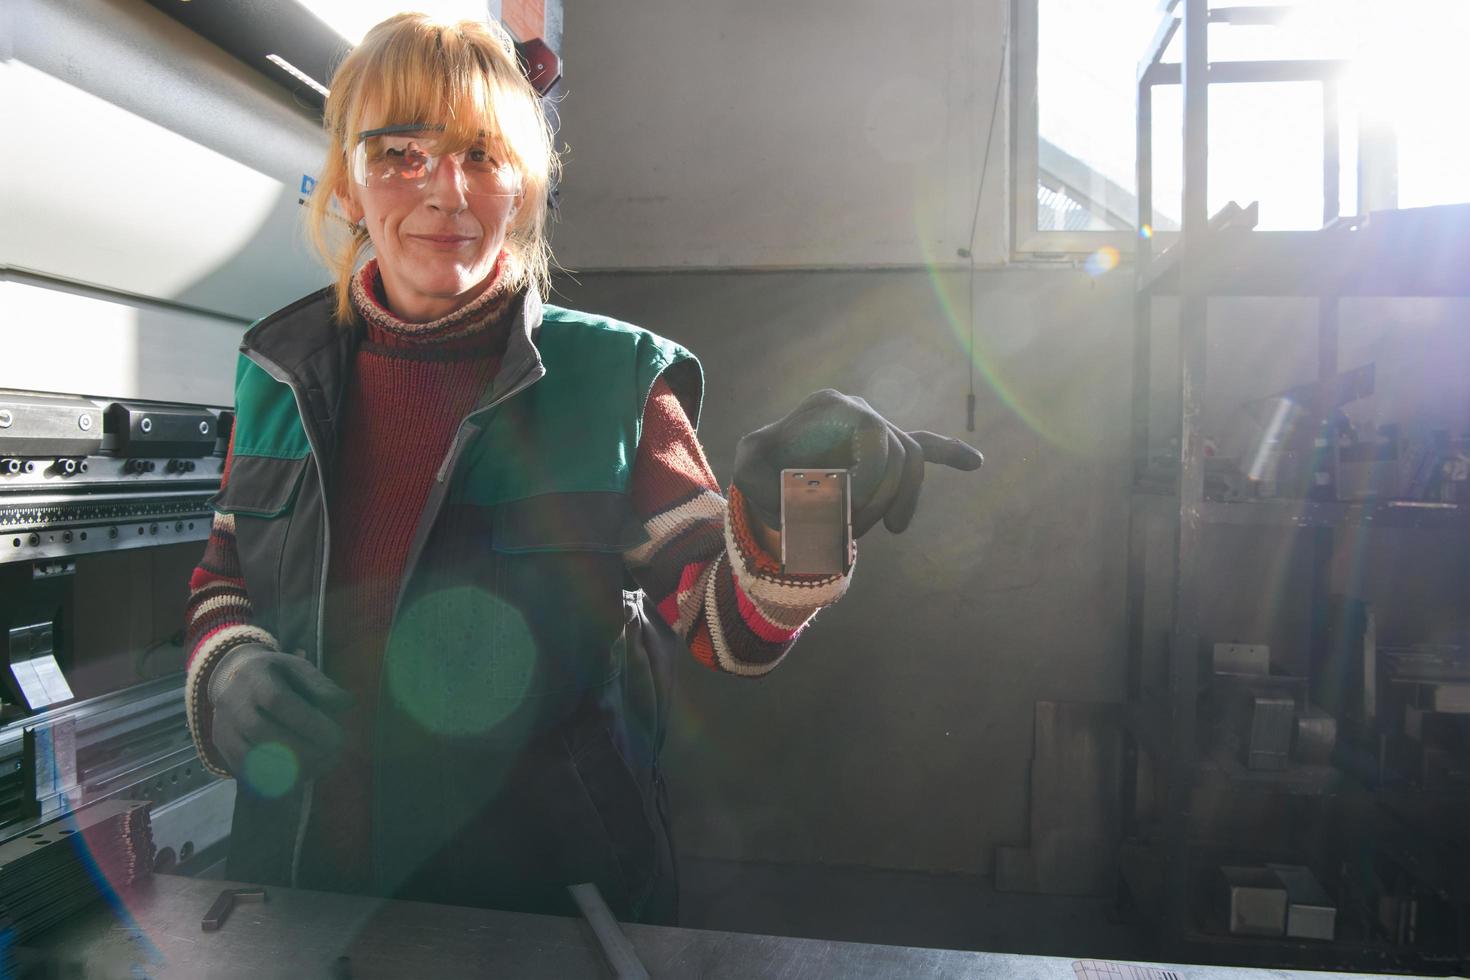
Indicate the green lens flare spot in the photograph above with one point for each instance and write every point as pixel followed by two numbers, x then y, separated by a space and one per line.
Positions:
pixel 271 769
pixel 460 661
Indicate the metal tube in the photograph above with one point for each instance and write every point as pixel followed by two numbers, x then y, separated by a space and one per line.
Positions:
pixel 619 952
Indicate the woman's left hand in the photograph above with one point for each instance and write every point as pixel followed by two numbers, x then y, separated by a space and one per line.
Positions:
pixel 830 429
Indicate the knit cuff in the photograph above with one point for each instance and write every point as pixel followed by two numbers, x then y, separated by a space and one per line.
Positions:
pixel 206 659
pixel 759 576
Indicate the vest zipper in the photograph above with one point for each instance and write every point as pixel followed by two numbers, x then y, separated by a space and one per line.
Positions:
pixel 276 372
pixel 427 518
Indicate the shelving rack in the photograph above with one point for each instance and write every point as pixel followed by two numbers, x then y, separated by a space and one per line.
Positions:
pixel 1391 254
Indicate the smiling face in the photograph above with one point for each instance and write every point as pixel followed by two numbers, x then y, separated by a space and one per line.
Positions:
pixel 436 244
pixel 453 86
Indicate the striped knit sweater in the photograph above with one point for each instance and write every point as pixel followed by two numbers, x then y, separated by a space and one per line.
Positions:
pixel 702 565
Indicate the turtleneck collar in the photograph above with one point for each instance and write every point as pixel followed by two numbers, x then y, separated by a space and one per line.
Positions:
pixel 485 314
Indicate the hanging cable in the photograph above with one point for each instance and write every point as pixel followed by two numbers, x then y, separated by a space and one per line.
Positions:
pixel 969 252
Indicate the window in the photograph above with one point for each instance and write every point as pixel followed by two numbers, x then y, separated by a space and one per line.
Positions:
pixel 1075 88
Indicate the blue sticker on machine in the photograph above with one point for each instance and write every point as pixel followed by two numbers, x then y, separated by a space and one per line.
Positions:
pixel 308 182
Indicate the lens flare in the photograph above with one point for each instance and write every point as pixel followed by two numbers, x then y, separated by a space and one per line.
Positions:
pixel 1101 262
pixel 461 661
pixel 1147 231
pixel 271 769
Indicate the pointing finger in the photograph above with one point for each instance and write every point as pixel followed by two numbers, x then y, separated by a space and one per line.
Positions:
pixel 948 452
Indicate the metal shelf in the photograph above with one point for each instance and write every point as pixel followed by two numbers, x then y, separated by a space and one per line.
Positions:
pixel 1298 780
pixel 1411 253
pixel 1149 721
pixel 1143 867
pixel 1384 257
pixel 1393 514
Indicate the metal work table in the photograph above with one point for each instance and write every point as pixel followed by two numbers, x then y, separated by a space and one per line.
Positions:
pixel 302 935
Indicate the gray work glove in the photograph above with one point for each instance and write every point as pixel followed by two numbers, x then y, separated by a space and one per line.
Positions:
pixel 260 695
pixel 830 429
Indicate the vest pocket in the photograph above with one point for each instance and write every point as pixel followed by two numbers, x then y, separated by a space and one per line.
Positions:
pixel 278 535
pixel 261 486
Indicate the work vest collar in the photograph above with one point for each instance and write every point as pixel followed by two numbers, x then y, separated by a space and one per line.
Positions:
pixel 303 346
pixel 521 364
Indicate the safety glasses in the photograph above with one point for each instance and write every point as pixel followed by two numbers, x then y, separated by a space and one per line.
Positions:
pixel 404 158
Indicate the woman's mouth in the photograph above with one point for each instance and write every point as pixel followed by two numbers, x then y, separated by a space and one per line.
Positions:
pixel 445 242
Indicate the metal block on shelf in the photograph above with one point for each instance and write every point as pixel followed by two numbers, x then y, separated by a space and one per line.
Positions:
pixel 1254 900
pixel 1316 737
pixel 1263 727
pixel 1310 913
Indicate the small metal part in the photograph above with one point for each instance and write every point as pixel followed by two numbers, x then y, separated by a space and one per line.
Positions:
pixel 1310 914
pixel 225 904
pixel 621 956
pixel 84 422
pixel 6 419
pixel 1254 900
pixel 204 428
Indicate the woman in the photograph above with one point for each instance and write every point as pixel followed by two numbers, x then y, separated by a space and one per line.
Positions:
pixel 410 639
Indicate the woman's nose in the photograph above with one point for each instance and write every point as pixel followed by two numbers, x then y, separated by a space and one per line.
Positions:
pixel 446 190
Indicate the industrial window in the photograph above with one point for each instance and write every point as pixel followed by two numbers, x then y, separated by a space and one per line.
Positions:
pixel 1075 77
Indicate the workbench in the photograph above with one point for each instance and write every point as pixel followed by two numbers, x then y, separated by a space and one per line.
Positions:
pixel 156 933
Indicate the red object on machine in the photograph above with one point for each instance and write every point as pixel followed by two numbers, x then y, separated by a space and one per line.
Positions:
pixel 540 63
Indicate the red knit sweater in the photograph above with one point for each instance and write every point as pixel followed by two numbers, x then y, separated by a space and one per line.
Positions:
pixel 403 405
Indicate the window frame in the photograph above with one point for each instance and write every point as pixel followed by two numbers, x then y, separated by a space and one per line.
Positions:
pixel 1028 241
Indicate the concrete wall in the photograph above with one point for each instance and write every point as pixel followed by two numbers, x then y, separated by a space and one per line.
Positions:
pixel 716 133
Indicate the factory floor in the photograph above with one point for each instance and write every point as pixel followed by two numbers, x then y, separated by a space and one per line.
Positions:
pixel 899 908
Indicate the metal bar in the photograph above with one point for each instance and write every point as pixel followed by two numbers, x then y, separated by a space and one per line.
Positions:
pixel 1154 53
pixel 1323 538
pixel 1331 154
pixel 1193 309
pixel 1266 15
pixel 1247 72
pixel 1143 302
pixel 1196 117
pixel 615 946
pixel 1144 168
pixel 1134 631
pixel 1142 384
pixel 1185 637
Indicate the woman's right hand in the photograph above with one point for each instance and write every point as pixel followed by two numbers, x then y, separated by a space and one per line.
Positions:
pixel 265 701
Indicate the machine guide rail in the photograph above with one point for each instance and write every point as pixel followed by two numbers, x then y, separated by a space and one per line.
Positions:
pixel 83 475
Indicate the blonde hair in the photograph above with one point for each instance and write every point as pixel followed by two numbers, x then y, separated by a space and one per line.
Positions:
pixel 463 75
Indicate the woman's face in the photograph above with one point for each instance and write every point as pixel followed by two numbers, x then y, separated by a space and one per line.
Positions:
pixel 436 245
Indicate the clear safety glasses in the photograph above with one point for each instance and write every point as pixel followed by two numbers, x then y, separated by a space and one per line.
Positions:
pixel 404 158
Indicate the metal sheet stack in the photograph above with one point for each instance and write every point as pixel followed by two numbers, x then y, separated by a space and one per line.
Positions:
pixel 63 866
